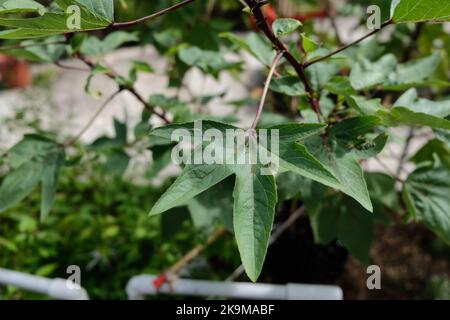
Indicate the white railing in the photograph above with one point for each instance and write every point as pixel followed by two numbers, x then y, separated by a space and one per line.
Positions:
pixel 60 289
pixel 140 286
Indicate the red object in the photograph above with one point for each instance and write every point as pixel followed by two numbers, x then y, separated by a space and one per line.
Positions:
pixel 159 282
pixel 271 15
pixel 312 15
pixel 14 73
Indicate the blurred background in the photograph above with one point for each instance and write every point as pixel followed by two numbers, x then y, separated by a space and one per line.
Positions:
pixel 100 217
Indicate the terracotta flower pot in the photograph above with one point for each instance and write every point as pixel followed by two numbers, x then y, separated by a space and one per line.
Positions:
pixel 14 73
pixel 271 14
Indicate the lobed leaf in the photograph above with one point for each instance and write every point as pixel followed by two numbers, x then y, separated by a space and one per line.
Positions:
pixel 426 195
pixel 255 197
pixel 404 11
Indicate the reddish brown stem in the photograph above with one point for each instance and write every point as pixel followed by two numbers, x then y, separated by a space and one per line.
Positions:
pixel 307 64
pixel 262 24
pixel 131 89
pixel 72 141
pixel 142 20
pixel 266 88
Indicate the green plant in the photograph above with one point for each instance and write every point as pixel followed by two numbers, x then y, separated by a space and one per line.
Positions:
pixel 105 231
pixel 349 100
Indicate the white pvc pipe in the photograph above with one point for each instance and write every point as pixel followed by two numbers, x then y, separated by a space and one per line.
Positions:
pixel 56 288
pixel 140 286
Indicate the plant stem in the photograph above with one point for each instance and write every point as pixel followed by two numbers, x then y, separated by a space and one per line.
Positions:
pixel 332 15
pixel 261 22
pixel 71 142
pixel 73 68
pixel 307 64
pixel 196 251
pixel 389 171
pixel 405 150
pixel 266 88
pixel 142 20
pixel 132 90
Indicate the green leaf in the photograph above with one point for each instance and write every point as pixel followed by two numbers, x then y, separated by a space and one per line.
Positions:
pixel 8 245
pixel 351 175
pixel 20 183
pixel 296 158
pixel 139 66
pixel 161 159
pixel 254 44
pixel 364 106
pixel 236 40
pixel 308 44
pixel 340 85
pixel 295 132
pixel 426 195
pixel 50 181
pixel 118 142
pixel 214 206
pixel 370 148
pixel 412 73
pixel 320 73
pixel 100 10
pixel 98 69
pixel 261 49
pixel 269 119
pixel 289 185
pixel 289 85
pixel 434 148
pixel 343 219
pixel 32 148
pixel 159 100
pixel 38 51
pixel 345 167
pixel 285 26
pixel 93 46
pixel 210 62
pixel 366 74
pixel 255 197
pixel 255 194
pixel 20 6
pixel 404 11
pixel 193 180
pixel 402 116
pixel 411 101
pixel 166 132
pixel 351 128
pixel 302 151
pixel 33 159
pixel 116 162
pixel 443 135
pixel 382 189
pixel 95 15
pixel 121 131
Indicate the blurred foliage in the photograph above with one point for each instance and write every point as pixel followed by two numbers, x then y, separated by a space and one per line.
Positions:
pixel 388 81
pixel 106 231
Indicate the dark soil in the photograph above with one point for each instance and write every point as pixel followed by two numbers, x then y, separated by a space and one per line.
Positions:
pixel 408 255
